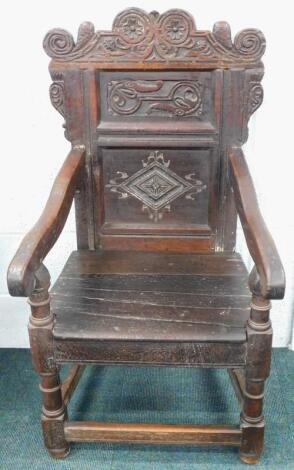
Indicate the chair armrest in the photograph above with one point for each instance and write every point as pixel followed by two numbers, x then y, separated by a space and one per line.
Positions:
pixel 267 279
pixel 21 276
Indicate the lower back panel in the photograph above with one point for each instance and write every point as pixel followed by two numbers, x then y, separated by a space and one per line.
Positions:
pixel 157 190
pixel 159 193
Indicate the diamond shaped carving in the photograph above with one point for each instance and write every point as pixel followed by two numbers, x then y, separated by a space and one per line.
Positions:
pixel 155 185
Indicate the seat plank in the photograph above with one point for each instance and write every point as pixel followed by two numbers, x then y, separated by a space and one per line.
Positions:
pixel 136 262
pixel 97 297
pixel 211 285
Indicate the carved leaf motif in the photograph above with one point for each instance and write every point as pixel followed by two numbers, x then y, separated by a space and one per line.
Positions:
pixel 114 45
pixel 86 31
pixel 222 32
pixel 182 103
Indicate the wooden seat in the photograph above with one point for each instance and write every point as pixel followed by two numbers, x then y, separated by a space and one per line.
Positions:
pixel 150 297
pixel 156 113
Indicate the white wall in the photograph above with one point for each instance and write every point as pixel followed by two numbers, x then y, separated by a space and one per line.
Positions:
pixel 33 146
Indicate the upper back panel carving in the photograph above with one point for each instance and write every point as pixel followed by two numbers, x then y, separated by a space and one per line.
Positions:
pixel 157 104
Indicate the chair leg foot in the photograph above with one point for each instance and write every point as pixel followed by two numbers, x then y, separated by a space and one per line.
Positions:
pixel 252 442
pixel 59 453
pixel 54 439
pixel 249 459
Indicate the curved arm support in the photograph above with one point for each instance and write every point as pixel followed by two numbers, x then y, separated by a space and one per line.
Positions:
pixel 267 278
pixel 21 276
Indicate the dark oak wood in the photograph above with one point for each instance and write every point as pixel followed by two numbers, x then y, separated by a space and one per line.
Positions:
pixel 70 382
pixel 237 379
pixel 41 238
pixel 156 112
pixel 105 262
pixel 54 412
pixel 154 33
pixel 187 307
pixel 91 431
pixel 268 279
pixel 170 353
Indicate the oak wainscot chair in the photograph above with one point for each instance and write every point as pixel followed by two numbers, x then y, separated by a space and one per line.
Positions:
pixel 156 112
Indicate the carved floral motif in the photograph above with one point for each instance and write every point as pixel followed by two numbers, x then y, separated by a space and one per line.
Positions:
pixel 127 96
pixel 175 30
pixel 156 186
pixel 133 28
pixel 172 36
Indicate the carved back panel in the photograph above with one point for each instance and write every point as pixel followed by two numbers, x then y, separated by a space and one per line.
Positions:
pixel 157 104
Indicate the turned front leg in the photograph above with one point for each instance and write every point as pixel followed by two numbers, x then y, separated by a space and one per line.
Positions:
pixel 259 334
pixel 40 330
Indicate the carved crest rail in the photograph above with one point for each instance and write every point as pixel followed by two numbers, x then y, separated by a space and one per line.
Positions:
pixel 137 36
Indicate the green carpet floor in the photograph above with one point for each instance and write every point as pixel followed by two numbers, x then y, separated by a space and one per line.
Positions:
pixel 142 394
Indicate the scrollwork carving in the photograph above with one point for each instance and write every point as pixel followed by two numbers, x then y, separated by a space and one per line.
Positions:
pixel 126 96
pixel 56 92
pixel 182 98
pixel 59 43
pixel 252 100
pixel 172 36
pixel 250 43
pixel 255 97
